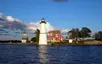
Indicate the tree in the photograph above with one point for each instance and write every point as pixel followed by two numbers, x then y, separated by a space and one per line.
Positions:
pixel 98 35
pixel 66 37
pixel 71 33
pixel 33 39
pixel 85 32
pixel 77 35
pixel 37 32
pixel 74 33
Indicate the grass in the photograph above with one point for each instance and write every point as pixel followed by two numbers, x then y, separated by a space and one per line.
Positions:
pixel 80 42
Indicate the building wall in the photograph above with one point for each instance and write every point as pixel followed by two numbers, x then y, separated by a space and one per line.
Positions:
pixel 25 40
pixel 54 36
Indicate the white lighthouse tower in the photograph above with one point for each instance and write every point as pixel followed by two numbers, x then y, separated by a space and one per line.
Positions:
pixel 43 33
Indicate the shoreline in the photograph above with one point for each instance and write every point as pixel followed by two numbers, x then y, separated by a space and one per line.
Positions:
pixel 88 43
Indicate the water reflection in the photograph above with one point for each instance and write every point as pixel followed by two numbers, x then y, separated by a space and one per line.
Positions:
pixel 43 54
pixel 32 54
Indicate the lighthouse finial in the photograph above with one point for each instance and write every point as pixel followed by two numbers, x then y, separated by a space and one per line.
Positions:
pixel 43 18
pixel 43 21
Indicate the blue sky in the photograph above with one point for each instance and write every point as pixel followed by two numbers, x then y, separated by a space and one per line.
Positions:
pixel 65 15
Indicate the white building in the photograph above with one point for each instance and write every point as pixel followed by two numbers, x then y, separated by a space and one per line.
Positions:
pixel 43 33
pixel 24 38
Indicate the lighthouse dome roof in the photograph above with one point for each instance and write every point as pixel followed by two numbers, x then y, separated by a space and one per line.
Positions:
pixel 43 21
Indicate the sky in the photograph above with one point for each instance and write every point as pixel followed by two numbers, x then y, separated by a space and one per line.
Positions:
pixel 68 14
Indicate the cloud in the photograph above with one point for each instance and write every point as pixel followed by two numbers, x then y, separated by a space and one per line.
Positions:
pixel 10 18
pixel 2 17
pixel 60 0
pixel 32 26
pixel 8 22
pixel 50 27
pixel 11 25
pixel 65 30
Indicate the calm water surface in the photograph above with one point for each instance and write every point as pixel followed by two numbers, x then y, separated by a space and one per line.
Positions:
pixel 32 54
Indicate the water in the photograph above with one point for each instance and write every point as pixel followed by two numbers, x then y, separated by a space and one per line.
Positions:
pixel 32 54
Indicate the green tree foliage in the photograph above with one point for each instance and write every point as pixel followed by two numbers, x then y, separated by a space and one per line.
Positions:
pixel 33 39
pixel 37 32
pixel 98 35
pixel 76 33
pixel 85 32
pixel 71 33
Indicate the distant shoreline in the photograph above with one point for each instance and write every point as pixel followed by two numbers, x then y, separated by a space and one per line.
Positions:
pixel 74 44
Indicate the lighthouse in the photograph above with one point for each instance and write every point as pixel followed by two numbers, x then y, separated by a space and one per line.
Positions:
pixel 43 33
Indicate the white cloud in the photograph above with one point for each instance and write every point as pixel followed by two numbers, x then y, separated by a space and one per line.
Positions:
pixel 65 30
pixel 32 26
pixel 10 18
pixel 1 25
pixel 12 25
pixel 17 24
pixel 50 27
pixel 2 15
